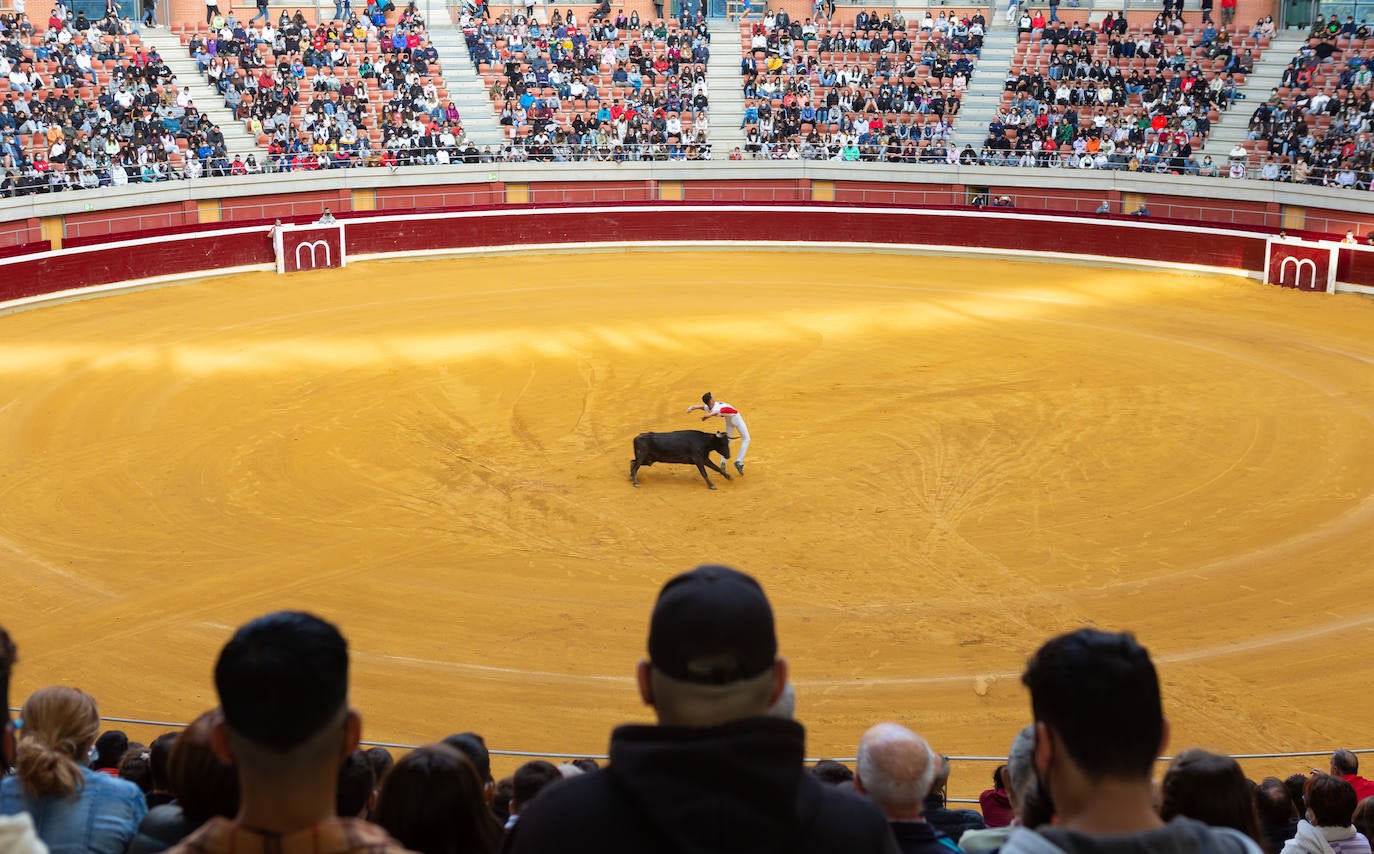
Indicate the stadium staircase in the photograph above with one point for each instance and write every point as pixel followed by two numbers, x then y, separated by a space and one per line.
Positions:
pixel 237 140
pixel 465 87
pixel 726 89
pixel 983 97
pixel 1234 124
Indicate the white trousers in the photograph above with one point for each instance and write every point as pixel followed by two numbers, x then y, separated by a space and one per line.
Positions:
pixel 735 425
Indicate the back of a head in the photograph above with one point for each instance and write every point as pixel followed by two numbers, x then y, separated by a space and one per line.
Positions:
pixel 136 767
pixel 532 778
pixel 501 798
pixel 712 647
pixel 60 725
pixel 1330 800
pixel 356 782
pixel 204 785
pixel 281 678
pixel 1345 762
pixel 159 752
pixel 1364 817
pixel 896 768
pixel 431 802
pixel 381 761
pixel 1273 804
pixel 110 747
pixel 474 747
pixel 832 773
pixel 1211 788
pixel 1100 694
pixel 1296 784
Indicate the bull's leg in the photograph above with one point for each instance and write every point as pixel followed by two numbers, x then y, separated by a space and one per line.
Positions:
pixel 634 469
pixel 701 468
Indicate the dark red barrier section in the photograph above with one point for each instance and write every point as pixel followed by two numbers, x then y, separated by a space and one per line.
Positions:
pixel 1135 240
pixel 60 271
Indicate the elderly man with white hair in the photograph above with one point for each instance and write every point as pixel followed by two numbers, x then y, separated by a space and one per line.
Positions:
pixel 895 769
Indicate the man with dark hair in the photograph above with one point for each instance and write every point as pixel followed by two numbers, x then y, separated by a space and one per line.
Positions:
pixel 108 749
pixel 282 682
pixel 1099 724
pixel 357 786
pixel 717 773
pixel 17 833
pixel 1278 819
pixel 530 779
pixel 1346 765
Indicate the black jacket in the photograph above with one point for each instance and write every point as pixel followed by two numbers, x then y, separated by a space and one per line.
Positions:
pixel 738 787
pixel 951 823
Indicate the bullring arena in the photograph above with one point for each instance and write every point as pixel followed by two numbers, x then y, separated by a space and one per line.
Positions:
pixel 957 454
pixel 990 402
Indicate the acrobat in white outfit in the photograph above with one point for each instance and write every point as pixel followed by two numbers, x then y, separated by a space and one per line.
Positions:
pixel 734 423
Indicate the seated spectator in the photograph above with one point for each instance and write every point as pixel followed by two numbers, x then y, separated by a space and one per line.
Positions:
pixel 1278 818
pixel 1210 788
pixel 711 676
pixel 895 770
pixel 995 802
pixel 1346 765
pixel 109 749
pixel 433 802
pixel 1329 824
pixel 952 823
pixel 17 835
pixel 356 786
pixel 203 785
pixel 529 780
pixel 832 773
pixel 282 682
pixel 77 810
pixel 1364 818
pixel 474 747
pixel 159 753
pixel 1029 806
pixel 1099 724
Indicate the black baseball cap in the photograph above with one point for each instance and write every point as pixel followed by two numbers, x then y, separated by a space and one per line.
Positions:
pixel 712 626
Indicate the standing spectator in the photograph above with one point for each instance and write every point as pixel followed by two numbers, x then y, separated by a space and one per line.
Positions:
pixel 1328 827
pixel 77 810
pixel 895 770
pixel 282 682
pixel 262 12
pixel 211 10
pixel 150 14
pixel 1099 724
pixel 1346 764
pixel 995 802
pixel 712 673
pixel 433 803
pixel 952 823
pixel 1228 13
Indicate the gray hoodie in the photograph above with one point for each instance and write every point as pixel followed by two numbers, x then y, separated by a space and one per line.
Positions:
pixel 1180 836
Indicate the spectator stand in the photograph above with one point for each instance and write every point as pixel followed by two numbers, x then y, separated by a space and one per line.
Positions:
pixel 363 91
pixel 87 105
pixel 857 86
pixel 615 88
pixel 1313 127
pixel 1117 95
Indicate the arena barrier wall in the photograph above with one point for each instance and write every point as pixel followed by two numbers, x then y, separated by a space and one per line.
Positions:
pixel 198 250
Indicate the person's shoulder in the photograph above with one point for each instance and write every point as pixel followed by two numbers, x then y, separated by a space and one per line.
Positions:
pixel 586 801
pixel 852 822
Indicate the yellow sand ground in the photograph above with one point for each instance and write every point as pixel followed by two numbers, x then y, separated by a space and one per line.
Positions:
pixel 952 460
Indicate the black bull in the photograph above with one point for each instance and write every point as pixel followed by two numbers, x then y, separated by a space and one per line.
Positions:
pixel 692 447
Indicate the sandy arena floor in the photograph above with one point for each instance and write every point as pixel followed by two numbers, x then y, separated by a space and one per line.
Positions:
pixel 952 460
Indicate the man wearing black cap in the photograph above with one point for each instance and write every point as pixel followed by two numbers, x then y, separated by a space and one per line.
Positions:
pixel 716 774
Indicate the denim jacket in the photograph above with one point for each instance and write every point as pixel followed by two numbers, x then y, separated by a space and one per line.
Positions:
pixel 99 818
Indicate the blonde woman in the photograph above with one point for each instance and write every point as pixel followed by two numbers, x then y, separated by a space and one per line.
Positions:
pixel 76 810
